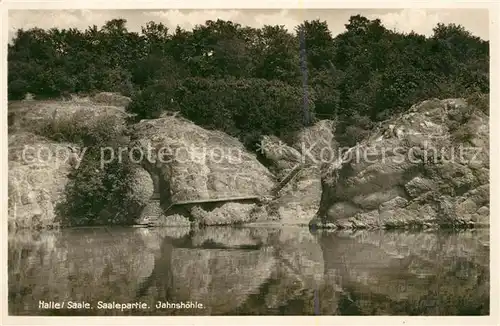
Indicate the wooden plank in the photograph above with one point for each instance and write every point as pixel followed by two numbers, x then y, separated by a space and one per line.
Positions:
pixel 212 200
pixel 287 179
pixel 274 191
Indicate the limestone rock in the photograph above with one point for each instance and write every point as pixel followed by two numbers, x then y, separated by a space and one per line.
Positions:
pixel 113 99
pixel 37 179
pixel 224 214
pixel 425 174
pixel 199 164
pixel 154 215
pixel 299 200
pixel 418 185
pixel 192 164
pixel 283 157
pixel 53 117
pixel 317 143
pixel 341 210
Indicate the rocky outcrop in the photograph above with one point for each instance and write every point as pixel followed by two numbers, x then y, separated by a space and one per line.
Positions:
pixel 283 157
pixel 426 167
pixel 51 117
pixel 195 164
pixel 113 99
pixel 317 143
pixel 187 171
pixel 37 180
pixel 202 165
pixel 298 201
pixel 38 173
pixel 153 214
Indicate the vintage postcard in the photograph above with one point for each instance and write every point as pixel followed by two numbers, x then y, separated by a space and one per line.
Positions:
pixel 301 163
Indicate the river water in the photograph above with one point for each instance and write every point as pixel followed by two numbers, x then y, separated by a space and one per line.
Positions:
pixel 248 271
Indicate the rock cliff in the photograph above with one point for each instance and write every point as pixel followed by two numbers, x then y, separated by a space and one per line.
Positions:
pixel 38 129
pixel 190 163
pixel 426 167
pixel 37 178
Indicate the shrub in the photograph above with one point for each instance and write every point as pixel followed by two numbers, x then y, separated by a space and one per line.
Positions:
pixel 480 101
pixel 96 196
pixel 119 81
pixel 17 89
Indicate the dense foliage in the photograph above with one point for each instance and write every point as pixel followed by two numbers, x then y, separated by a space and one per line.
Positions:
pixel 246 108
pixel 95 194
pixel 249 81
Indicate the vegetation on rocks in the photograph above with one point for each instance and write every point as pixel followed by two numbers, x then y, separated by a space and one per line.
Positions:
pixel 97 193
pixel 87 194
pixel 245 108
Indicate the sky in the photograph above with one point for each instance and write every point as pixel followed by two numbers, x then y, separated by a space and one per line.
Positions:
pixel 404 20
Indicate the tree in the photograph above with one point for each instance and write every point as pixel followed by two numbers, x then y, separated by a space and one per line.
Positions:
pixel 279 55
pixel 318 42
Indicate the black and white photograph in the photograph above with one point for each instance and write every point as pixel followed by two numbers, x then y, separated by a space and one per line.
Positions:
pixel 248 162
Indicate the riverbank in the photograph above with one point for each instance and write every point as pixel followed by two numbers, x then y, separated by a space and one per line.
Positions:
pixel 89 163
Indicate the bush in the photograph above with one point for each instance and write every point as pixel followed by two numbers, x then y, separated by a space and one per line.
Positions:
pixel 95 195
pixel 17 89
pixel 119 81
pixel 153 100
pixel 480 101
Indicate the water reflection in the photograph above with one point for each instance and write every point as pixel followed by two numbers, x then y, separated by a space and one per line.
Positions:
pixel 251 271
